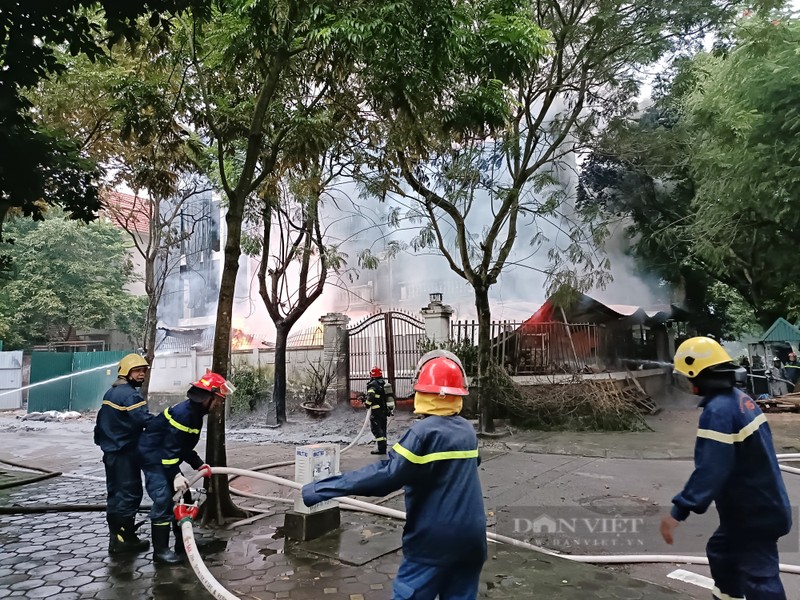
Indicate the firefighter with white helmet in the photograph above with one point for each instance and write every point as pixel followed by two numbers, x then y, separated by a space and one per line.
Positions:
pixel 736 468
pixel 120 421
pixel 168 441
pixel 436 461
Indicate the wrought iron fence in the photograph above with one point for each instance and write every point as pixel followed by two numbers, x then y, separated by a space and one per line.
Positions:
pixel 541 348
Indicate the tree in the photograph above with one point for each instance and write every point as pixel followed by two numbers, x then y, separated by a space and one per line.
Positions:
pixel 65 277
pixel 42 167
pixel 123 112
pixel 518 122
pixel 702 174
pixel 745 155
pixel 296 259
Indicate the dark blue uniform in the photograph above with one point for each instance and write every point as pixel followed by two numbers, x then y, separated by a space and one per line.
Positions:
pixel 169 440
pixel 120 421
pixel 736 467
pixel 444 539
pixel 378 411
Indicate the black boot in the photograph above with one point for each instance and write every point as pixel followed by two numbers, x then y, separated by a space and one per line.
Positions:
pixel 180 550
pixel 381 448
pixel 122 536
pixel 161 552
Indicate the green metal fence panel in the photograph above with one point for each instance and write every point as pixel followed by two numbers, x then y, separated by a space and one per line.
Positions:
pixel 94 374
pixel 54 395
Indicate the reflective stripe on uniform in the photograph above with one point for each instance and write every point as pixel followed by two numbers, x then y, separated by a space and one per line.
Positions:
pixel 434 456
pixel 375 407
pixel 118 407
pixel 170 461
pixel 722 596
pixel 381 439
pixel 167 524
pixel 177 425
pixel 732 438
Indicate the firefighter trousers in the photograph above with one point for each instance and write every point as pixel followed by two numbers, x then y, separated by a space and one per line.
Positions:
pixel 123 484
pixel 159 488
pixel 744 568
pixel 377 424
pixel 417 581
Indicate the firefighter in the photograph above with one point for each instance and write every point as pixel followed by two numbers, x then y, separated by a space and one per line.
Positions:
pixel 380 403
pixel 120 421
pixel 791 371
pixel 169 440
pixel 444 539
pixel 735 467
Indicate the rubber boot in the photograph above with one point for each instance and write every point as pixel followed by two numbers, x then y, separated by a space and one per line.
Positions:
pixel 381 448
pixel 122 536
pixel 129 533
pixel 180 550
pixel 161 552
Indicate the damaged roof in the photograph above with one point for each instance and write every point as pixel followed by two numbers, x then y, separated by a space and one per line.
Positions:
pixel 585 309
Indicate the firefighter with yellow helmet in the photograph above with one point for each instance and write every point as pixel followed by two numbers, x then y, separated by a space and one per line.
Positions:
pixel 436 461
pixel 736 468
pixel 120 421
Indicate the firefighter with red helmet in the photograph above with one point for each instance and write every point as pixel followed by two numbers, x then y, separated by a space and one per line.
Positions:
pixel 380 404
pixel 436 461
pixel 169 440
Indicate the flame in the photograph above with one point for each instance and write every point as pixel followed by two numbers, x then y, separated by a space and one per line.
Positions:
pixel 240 339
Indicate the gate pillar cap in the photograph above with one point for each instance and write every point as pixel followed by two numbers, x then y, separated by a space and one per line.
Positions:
pixel 334 319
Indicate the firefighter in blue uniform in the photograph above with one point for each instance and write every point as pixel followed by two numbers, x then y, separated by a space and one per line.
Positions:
pixel 120 421
pixel 436 461
pixel 735 467
pixel 380 404
pixel 169 440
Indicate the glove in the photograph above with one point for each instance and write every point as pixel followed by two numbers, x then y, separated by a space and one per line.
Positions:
pixel 180 483
pixel 204 470
pixel 310 496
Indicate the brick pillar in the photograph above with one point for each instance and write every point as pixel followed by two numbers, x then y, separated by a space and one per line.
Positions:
pixel 336 356
pixel 437 319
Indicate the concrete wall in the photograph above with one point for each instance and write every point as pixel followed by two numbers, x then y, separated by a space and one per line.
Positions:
pixel 654 381
pixel 173 373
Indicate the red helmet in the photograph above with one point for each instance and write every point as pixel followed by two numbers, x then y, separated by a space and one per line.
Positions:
pixel 376 372
pixel 215 383
pixel 441 375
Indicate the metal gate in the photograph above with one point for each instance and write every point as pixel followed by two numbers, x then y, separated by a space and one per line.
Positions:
pixel 391 341
pixel 10 379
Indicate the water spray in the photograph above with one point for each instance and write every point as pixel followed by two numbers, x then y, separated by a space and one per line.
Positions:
pixel 59 378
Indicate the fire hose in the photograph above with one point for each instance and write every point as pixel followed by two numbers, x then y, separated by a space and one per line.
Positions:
pixel 185 515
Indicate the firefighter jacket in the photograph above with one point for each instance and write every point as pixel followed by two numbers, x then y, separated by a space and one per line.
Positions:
pixel 436 462
pixel 736 467
pixel 121 418
pixel 791 371
pixel 170 438
pixel 380 396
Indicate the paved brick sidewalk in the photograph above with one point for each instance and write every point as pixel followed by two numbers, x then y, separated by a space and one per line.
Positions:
pixel 63 556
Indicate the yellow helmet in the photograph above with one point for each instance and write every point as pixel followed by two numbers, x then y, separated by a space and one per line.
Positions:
pixel 131 361
pixel 697 354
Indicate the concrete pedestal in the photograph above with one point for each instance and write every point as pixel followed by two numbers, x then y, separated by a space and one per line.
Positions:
pixel 302 527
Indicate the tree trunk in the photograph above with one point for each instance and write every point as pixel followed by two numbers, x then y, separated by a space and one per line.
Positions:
pixel 279 386
pixel 150 340
pixel 486 423
pixel 219 504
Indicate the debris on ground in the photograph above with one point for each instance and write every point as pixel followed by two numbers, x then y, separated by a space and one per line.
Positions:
pixel 52 416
